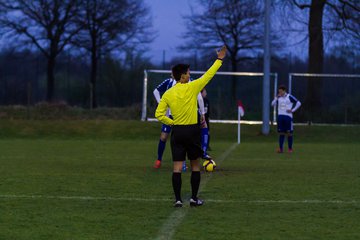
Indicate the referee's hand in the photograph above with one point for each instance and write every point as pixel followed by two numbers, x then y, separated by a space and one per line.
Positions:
pixel 222 53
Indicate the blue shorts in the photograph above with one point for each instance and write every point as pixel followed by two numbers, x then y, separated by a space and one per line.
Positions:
pixel 284 124
pixel 166 128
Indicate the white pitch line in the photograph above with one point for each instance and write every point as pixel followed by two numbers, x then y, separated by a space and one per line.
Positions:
pixel 305 201
pixel 137 199
pixel 169 227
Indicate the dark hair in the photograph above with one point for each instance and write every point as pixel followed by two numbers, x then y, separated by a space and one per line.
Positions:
pixel 178 70
pixel 282 87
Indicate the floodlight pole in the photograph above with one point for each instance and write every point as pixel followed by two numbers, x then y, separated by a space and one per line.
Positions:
pixel 143 109
pixel 266 80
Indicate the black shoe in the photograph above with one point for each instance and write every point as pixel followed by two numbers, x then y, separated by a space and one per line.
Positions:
pixel 178 204
pixel 196 203
pixel 207 157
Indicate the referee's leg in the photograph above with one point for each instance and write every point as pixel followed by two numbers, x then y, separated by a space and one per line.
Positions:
pixel 179 155
pixel 195 153
pixel 195 178
pixel 176 180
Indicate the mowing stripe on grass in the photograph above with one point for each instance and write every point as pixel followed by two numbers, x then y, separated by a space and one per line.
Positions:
pixel 169 227
pixel 137 199
pixel 218 161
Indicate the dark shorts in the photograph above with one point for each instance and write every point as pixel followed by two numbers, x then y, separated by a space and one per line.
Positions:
pixel 186 140
pixel 166 128
pixel 284 124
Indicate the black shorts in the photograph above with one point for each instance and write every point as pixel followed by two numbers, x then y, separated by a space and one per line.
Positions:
pixel 186 140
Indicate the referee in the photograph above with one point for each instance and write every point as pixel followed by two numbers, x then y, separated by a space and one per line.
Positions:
pixel 186 137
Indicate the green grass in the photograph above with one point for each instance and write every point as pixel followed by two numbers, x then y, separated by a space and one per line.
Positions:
pixel 94 180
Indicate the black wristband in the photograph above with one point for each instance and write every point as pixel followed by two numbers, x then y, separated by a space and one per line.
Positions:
pixel 219 59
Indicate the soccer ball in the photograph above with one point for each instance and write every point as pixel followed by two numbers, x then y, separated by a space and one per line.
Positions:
pixel 209 165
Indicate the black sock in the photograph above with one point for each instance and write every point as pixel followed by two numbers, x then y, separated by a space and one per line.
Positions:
pixel 176 182
pixel 195 183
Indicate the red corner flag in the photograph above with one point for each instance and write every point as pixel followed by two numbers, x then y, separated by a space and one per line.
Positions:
pixel 241 113
pixel 241 108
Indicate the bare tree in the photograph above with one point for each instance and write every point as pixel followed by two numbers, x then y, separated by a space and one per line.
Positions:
pixel 340 16
pixel 237 24
pixel 110 26
pixel 45 24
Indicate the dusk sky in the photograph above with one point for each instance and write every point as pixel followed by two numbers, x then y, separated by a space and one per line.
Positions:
pixel 167 21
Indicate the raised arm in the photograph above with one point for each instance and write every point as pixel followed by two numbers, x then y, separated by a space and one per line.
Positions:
pixel 209 74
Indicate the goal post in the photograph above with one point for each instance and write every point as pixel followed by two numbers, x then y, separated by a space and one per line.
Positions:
pixel 219 93
pixel 339 98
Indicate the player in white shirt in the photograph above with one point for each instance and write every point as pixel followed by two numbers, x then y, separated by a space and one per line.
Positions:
pixel 286 105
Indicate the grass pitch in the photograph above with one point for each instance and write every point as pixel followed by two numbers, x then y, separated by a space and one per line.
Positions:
pixel 94 180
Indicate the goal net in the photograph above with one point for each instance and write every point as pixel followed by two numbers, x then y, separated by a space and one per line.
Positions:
pixel 223 91
pixel 333 98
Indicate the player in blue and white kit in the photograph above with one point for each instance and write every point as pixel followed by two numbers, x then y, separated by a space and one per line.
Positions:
pixel 286 105
pixel 166 129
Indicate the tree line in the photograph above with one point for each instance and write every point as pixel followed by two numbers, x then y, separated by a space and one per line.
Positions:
pixel 103 29
pixel 92 27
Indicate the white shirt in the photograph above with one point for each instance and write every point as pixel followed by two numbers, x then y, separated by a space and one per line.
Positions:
pixel 286 102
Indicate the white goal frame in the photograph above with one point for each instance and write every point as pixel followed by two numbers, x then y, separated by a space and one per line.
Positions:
pixel 328 75
pixel 254 74
pixel 291 75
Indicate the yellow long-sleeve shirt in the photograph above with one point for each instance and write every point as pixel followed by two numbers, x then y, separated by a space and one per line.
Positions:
pixel 182 99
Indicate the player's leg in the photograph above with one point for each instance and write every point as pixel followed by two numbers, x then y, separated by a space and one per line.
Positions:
pixel 290 142
pixel 204 136
pixel 281 125
pixel 184 167
pixel 162 144
pixel 281 142
pixel 208 126
pixel 290 137
pixel 165 130
pixel 205 140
